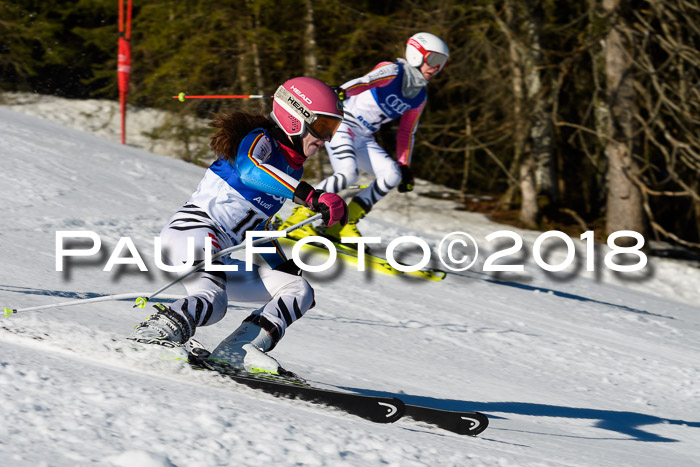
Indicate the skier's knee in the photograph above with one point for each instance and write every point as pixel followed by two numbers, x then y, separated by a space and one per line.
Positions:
pixel 351 175
pixel 391 177
pixel 289 303
pixel 204 307
pixel 302 290
pixel 343 177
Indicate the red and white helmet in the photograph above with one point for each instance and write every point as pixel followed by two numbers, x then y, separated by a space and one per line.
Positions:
pixel 302 104
pixel 428 48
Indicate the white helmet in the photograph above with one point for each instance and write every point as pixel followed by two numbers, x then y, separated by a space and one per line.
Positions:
pixel 426 47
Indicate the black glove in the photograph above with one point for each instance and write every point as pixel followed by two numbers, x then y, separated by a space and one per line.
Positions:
pixel 340 92
pixel 407 180
pixel 290 267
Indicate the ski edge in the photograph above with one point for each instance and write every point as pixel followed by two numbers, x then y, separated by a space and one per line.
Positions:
pixel 374 408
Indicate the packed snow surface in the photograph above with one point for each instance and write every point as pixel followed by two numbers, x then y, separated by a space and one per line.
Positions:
pixel 572 367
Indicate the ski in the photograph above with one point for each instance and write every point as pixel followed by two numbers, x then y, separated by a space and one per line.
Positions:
pixel 375 408
pixel 376 263
pixel 350 255
pixel 463 423
pixel 431 274
pixel 378 409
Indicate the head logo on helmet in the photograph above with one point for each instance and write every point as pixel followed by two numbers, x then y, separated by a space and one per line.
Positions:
pixel 427 48
pixel 301 94
pixel 306 104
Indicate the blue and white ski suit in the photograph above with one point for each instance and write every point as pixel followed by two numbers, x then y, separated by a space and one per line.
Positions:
pixel 373 100
pixel 231 199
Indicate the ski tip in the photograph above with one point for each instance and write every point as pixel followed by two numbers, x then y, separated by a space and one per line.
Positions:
pixel 394 410
pixel 439 274
pixel 140 302
pixel 9 311
pixel 477 424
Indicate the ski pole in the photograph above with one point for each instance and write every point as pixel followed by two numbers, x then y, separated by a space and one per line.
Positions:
pixel 141 301
pixel 182 96
pixel 8 311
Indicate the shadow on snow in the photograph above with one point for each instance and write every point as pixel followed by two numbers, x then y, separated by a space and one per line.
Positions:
pixel 571 296
pixel 626 423
pixel 623 422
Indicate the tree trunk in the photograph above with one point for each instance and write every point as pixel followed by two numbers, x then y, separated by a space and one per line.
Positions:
pixel 257 68
pixel 528 208
pixel 242 71
pixel 518 86
pixel 540 127
pixel 467 159
pixel 696 210
pixel 595 193
pixel 624 201
pixel 310 60
pixel 311 65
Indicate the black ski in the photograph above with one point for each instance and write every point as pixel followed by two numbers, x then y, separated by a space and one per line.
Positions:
pixel 463 423
pixel 374 408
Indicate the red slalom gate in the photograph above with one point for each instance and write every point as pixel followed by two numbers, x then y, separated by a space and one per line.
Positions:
pixel 124 61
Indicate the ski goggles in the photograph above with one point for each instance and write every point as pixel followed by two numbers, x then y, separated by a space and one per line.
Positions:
pixel 324 126
pixel 320 125
pixel 433 59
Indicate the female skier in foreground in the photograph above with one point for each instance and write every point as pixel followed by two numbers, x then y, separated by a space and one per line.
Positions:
pixel 259 166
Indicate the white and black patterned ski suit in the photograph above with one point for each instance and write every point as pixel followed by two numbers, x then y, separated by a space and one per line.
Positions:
pixel 373 100
pixel 233 198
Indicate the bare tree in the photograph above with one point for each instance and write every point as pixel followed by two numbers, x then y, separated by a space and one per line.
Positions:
pixel 257 66
pixel 624 200
pixel 533 156
pixel 668 63
pixel 310 59
pixel 518 55
pixel 311 63
pixel 542 100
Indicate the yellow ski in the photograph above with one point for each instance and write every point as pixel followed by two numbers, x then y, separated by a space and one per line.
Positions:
pixel 376 263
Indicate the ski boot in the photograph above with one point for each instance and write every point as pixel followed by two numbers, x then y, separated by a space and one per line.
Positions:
pixel 299 214
pixel 244 350
pixel 357 211
pixel 166 329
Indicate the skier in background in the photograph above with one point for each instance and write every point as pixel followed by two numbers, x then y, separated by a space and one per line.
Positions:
pixel 259 167
pixel 392 90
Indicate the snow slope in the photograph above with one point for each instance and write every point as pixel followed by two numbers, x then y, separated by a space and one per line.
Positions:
pixel 101 117
pixel 572 370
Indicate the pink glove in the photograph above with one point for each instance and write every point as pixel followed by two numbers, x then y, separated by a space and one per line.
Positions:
pixel 330 205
